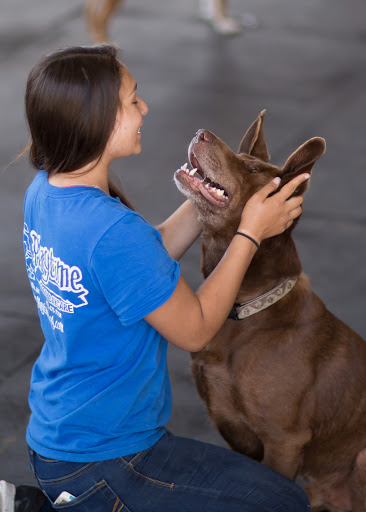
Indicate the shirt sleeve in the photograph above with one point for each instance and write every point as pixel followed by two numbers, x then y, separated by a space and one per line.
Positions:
pixel 132 269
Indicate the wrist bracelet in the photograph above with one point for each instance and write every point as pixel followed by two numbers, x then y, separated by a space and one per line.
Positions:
pixel 249 238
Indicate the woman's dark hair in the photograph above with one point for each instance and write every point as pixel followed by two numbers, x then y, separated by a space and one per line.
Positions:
pixel 71 103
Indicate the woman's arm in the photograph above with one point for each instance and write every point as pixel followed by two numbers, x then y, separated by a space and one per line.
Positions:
pixel 190 320
pixel 180 230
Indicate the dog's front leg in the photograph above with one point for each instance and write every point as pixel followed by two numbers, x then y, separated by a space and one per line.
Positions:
pixel 285 455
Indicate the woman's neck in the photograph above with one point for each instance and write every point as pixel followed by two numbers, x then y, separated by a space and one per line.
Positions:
pixel 88 176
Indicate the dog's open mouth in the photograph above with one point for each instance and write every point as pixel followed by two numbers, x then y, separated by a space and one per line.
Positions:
pixel 200 182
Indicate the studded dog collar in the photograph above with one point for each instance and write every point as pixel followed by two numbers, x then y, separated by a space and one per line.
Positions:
pixel 241 311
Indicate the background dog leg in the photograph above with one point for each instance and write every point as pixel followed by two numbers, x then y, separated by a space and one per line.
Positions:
pixel 97 15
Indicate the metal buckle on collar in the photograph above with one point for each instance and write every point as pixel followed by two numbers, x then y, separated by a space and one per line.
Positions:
pixel 233 314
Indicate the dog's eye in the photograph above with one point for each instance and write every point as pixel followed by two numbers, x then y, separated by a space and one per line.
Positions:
pixel 253 171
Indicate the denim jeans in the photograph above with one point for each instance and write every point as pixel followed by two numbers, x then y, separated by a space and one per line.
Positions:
pixel 174 475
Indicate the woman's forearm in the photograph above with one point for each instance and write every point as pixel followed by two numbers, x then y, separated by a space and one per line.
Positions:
pixel 190 320
pixel 180 230
pixel 218 292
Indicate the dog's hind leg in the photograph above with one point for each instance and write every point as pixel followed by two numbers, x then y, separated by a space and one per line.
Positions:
pixel 285 454
pixel 358 483
pixel 329 499
pixel 327 508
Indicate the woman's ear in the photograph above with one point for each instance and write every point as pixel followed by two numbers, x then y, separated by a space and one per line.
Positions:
pixel 253 142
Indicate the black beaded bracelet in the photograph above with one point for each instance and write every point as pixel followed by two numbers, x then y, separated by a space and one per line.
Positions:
pixel 249 238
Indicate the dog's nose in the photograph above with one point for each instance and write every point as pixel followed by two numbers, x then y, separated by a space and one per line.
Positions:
pixel 204 136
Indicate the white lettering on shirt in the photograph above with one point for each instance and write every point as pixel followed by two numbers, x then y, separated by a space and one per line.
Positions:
pixel 49 275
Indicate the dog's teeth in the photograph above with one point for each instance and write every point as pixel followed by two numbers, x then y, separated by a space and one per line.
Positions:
pixel 219 192
pixel 192 172
pixel 184 168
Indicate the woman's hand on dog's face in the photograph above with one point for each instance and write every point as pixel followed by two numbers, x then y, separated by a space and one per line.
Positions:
pixel 265 216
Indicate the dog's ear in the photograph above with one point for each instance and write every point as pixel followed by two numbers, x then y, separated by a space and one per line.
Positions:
pixel 302 160
pixel 253 142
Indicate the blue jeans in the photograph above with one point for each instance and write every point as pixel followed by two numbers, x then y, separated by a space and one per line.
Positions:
pixel 174 475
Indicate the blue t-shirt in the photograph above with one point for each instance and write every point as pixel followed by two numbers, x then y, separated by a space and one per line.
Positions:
pixel 100 387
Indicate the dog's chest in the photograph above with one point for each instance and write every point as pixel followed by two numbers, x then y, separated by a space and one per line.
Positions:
pixel 212 251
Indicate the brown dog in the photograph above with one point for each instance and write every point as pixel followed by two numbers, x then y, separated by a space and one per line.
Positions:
pixel 286 385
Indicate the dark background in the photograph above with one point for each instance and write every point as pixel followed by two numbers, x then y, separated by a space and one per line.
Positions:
pixel 304 63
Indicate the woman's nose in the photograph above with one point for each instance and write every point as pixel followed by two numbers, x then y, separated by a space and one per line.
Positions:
pixel 144 108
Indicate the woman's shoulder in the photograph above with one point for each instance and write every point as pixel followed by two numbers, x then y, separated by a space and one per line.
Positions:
pixel 118 211
pixel 115 225
pixel 125 221
pixel 119 228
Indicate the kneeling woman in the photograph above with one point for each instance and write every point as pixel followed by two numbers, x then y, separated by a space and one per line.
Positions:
pixel 110 297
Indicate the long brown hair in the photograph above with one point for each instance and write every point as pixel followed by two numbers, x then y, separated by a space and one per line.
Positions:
pixel 71 103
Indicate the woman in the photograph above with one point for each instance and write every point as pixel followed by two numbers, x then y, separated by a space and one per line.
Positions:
pixel 110 297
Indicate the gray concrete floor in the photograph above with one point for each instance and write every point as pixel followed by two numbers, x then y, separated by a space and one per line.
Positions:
pixel 305 63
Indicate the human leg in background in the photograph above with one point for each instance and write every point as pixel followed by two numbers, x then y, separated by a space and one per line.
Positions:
pixel 176 474
pixel 216 13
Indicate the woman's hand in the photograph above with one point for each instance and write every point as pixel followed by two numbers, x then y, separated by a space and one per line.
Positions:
pixel 265 216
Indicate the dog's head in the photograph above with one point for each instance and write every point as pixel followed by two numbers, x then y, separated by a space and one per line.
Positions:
pixel 221 181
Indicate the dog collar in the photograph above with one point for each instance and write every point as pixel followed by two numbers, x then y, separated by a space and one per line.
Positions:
pixel 241 311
